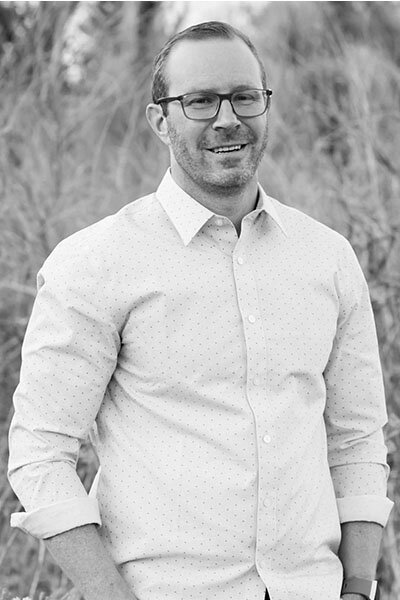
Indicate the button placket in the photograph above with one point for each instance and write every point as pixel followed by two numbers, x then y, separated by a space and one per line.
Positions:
pixel 256 350
pixel 223 234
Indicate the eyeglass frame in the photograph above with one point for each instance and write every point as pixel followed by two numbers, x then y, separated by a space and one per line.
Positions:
pixel 221 97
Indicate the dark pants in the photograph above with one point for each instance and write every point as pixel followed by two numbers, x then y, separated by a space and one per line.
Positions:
pixel 267 595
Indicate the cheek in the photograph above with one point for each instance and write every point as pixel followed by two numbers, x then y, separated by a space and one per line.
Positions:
pixel 264 129
pixel 260 127
pixel 186 133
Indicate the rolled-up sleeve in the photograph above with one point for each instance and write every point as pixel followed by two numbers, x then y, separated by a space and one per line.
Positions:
pixel 355 409
pixel 68 357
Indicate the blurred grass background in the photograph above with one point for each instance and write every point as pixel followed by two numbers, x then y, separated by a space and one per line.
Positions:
pixel 75 146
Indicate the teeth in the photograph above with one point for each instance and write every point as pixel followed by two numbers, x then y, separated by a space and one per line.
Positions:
pixel 227 148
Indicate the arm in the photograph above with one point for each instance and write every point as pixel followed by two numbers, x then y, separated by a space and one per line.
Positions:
pixel 359 551
pixel 82 556
pixel 69 355
pixel 355 415
pixel 355 411
pixel 359 548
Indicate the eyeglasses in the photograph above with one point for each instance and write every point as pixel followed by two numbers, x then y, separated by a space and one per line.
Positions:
pixel 205 105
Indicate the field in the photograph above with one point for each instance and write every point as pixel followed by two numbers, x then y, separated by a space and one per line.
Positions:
pixel 74 147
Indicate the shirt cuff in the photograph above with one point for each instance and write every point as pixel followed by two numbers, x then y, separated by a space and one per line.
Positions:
pixel 364 508
pixel 47 521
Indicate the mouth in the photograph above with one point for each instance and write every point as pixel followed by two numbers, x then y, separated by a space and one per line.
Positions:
pixel 227 149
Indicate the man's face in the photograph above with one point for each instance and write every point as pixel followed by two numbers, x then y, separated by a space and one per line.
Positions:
pixel 222 66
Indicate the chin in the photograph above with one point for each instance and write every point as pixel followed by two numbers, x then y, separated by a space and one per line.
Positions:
pixel 233 179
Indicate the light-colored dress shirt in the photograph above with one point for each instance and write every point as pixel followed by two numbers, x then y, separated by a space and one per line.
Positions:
pixel 237 393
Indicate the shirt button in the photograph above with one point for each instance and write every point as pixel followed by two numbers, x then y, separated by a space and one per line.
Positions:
pixel 266 502
pixel 267 439
pixel 252 318
pixel 219 222
pixel 240 260
pixel 257 381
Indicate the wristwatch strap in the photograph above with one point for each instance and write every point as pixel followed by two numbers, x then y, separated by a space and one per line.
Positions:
pixel 364 587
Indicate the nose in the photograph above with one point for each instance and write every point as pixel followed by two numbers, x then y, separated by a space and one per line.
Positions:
pixel 225 118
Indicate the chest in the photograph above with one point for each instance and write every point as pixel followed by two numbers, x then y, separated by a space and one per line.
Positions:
pixel 203 313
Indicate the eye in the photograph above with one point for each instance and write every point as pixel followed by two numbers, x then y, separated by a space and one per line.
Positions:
pixel 248 96
pixel 199 100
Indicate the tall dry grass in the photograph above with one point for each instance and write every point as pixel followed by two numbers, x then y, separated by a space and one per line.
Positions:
pixel 70 153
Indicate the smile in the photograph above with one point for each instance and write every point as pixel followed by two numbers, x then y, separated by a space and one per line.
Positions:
pixel 221 149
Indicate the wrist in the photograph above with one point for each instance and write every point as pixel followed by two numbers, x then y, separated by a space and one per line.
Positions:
pixel 357 588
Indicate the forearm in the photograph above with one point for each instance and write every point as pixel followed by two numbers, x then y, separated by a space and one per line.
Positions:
pixel 359 550
pixel 84 559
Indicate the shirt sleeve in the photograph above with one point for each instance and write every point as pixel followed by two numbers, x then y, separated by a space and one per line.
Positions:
pixel 355 408
pixel 68 357
pixel 361 492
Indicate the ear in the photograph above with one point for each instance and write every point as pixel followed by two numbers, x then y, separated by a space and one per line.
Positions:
pixel 158 122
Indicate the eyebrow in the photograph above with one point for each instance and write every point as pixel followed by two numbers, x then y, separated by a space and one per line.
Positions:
pixel 236 88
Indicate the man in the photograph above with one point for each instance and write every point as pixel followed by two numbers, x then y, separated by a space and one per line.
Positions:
pixel 225 346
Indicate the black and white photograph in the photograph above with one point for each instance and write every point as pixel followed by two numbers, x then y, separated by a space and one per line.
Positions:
pixel 199 300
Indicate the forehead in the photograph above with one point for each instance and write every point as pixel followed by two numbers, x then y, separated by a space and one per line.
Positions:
pixel 216 64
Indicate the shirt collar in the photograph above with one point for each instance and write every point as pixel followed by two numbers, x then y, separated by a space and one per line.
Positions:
pixel 266 204
pixel 188 216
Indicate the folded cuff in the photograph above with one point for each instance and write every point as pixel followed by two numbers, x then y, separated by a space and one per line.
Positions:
pixel 364 508
pixel 47 521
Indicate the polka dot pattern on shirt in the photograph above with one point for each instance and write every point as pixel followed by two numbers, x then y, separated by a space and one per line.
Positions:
pixel 236 388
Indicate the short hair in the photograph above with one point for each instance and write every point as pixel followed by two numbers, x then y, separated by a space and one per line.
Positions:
pixel 202 31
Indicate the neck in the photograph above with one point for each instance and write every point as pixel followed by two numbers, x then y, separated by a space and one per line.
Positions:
pixel 234 203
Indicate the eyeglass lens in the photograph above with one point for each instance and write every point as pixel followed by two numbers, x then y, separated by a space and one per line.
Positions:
pixel 205 105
